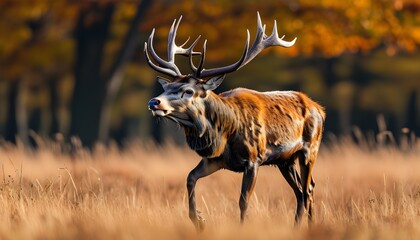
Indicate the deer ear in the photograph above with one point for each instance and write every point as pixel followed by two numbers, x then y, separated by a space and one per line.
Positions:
pixel 214 82
pixel 163 81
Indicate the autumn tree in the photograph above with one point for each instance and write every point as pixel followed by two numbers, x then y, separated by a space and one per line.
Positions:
pixel 62 58
pixel 34 52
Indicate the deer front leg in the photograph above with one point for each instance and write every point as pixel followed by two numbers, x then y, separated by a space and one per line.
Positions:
pixel 204 168
pixel 248 183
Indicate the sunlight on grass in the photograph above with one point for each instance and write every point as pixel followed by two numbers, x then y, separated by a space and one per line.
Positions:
pixel 140 192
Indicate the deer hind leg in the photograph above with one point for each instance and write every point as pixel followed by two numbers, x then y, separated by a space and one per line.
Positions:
pixel 248 183
pixel 204 168
pixel 311 136
pixel 306 163
pixel 291 175
pixel 311 193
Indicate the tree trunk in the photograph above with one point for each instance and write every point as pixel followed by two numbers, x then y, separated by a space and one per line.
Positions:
pixel 11 124
pixel 89 90
pixel 54 108
pixel 335 122
pixel 412 115
pixel 115 75
pixel 23 116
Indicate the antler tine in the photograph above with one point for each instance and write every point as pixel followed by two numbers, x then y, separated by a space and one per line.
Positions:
pixel 185 43
pixel 168 67
pixel 256 46
pixel 231 68
pixel 263 41
pixel 167 71
pixel 171 39
pixel 274 32
pixel 156 57
pixel 199 69
pixel 189 51
pixel 173 49
pixel 274 39
pixel 194 68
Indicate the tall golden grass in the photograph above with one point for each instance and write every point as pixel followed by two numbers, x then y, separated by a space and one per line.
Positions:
pixel 140 193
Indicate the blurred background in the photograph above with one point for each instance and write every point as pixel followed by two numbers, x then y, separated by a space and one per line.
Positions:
pixel 77 68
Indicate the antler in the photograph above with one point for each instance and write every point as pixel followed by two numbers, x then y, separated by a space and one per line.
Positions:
pixel 169 67
pixel 261 42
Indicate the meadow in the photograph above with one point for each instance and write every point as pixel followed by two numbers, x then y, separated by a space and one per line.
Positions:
pixel 362 192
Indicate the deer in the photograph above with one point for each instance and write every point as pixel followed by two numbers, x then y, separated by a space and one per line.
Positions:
pixel 241 129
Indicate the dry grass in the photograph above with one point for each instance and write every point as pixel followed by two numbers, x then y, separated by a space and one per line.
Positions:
pixel 140 193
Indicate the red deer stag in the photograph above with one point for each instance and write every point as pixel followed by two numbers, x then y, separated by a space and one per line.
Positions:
pixel 241 129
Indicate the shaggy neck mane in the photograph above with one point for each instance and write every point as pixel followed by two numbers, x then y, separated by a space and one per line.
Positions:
pixel 217 122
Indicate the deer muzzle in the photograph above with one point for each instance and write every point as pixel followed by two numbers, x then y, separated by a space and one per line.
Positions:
pixel 159 107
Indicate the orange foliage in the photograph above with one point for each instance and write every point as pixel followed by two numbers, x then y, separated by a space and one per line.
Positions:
pixel 37 45
pixel 323 27
pixel 39 33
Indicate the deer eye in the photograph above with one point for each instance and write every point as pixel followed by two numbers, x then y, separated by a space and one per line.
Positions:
pixel 187 93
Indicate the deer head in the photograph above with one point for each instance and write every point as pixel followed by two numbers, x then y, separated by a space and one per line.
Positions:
pixel 184 94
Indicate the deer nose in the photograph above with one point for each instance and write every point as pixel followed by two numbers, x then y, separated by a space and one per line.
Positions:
pixel 153 103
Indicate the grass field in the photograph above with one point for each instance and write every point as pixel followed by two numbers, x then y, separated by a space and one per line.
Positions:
pixel 140 193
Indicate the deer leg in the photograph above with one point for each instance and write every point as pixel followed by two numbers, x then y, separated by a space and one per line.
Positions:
pixel 311 203
pixel 291 175
pixel 248 183
pixel 306 164
pixel 204 168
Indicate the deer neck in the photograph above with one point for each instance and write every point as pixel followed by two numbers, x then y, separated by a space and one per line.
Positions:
pixel 216 121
